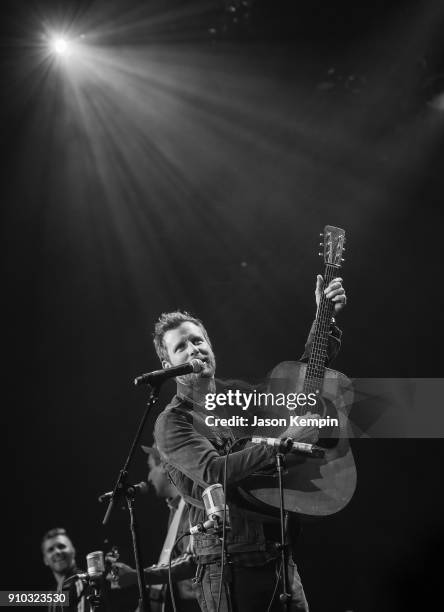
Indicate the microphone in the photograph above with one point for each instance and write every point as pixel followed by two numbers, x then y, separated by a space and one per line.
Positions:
pixel 214 502
pixel 288 445
pixel 95 562
pixel 157 377
pixel 131 491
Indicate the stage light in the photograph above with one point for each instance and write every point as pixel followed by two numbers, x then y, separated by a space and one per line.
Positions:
pixel 60 46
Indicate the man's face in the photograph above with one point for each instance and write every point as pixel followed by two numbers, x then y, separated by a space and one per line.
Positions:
pixel 59 554
pixel 188 342
pixel 158 478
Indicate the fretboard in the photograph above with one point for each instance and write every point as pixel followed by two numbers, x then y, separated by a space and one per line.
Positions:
pixel 314 376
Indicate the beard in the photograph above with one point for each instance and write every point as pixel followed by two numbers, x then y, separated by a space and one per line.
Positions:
pixel 207 374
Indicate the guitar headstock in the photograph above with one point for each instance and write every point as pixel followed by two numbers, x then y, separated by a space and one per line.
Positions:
pixel 334 240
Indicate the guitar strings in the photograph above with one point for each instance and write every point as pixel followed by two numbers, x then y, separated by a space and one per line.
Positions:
pixel 319 352
pixel 316 363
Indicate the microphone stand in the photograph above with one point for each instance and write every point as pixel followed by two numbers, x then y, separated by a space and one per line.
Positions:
pixel 95 598
pixel 120 490
pixel 285 596
pixel 144 605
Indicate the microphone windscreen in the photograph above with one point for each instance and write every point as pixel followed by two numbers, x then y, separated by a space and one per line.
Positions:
pixel 198 365
pixel 214 501
pixel 95 562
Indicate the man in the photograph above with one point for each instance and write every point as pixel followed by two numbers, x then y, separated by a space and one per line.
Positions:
pixel 194 455
pixel 60 556
pixel 183 566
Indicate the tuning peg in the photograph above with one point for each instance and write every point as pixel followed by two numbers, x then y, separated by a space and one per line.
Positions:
pixel 321 254
pixel 342 259
pixel 343 249
pixel 321 244
pixel 321 234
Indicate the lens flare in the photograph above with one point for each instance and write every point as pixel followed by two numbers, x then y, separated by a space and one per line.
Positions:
pixel 59 45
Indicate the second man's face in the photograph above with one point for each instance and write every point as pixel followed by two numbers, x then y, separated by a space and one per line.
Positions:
pixel 188 342
pixel 59 554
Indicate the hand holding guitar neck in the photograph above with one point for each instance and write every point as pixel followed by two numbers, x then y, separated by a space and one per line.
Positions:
pixel 334 292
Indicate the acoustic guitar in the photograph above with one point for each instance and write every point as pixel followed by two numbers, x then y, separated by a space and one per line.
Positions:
pixel 313 486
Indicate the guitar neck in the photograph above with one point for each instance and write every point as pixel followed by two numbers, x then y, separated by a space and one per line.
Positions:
pixel 314 376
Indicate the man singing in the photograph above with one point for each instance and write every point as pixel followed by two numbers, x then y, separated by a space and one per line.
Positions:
pixel 193 452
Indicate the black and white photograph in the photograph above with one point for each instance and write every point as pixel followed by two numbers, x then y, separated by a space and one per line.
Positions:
pixel 222 305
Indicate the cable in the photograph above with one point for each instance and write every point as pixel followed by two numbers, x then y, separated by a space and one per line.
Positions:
pixel 224 520
pixel 170 577
pixel 278 577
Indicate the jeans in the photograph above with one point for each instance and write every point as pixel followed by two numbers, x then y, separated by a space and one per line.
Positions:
pixel 247 589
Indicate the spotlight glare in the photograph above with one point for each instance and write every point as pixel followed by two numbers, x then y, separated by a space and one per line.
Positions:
pixel 59 45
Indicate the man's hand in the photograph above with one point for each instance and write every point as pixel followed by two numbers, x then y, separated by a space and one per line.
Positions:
pixel 306 433
pixel 122 574
pixel 334 292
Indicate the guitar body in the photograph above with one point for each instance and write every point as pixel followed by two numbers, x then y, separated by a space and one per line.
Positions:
pixel 313 486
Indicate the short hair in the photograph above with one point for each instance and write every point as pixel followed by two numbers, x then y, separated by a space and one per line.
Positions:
pixel 171 320
pixel 53 533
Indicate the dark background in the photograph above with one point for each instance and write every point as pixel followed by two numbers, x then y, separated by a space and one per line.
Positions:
pixel 206 189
